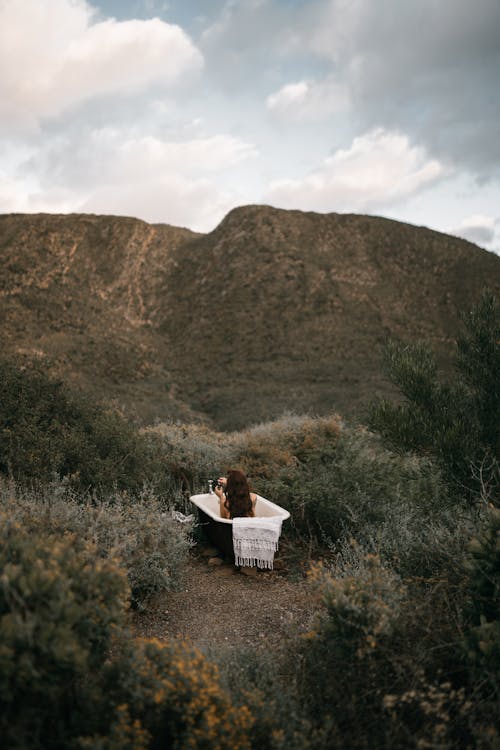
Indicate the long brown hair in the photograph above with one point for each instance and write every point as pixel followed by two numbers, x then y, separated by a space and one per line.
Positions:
pixel 238 501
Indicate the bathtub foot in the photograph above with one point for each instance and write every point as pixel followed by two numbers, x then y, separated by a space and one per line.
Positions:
pixel 250 572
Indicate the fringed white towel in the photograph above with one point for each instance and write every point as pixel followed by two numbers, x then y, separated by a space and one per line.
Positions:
pixel 255 540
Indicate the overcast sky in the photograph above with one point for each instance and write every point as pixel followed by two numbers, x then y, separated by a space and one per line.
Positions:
pixel 178 111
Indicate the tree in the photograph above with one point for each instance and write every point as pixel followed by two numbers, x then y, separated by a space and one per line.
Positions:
pixel 456 421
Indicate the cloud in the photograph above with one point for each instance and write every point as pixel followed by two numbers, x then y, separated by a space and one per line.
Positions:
pixel 477 228
pixel 55 54
pixel 428 69
pixel 245 41
pixel 308 100
pixel 379 168
pixel 112 170
pixel 171 198
pixel 115 155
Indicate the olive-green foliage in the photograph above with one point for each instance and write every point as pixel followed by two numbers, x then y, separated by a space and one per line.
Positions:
pixel 71 676
pixel 45 429
pixel 192 454
pixel 483 635
pixel 337 482
pixel 59 604
pixel 177 694
pixel 457 421
pixel 384 661
pixel 353 486
pixel 344 669
pixel 267 683
pixel 139 530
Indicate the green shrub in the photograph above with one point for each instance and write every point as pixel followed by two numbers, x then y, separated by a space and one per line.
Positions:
pixel 59 606
pixel 483 635
pixel 344 664
pixel 72 677
pixel 177 695
pixel 383 666
pixel 457 422
pixel 352 487
pixel 428 715
pixel 192 454
pixel 279 446
pixel 267 683
pixel 138 530
pixel 45 430
pixel 419 543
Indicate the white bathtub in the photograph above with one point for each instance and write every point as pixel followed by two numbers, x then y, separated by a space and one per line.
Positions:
pixel 219 530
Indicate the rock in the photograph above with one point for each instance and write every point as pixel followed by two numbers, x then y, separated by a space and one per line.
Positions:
pixel 250 572
pixel 209 552
pixel 215 561
pixel 225 571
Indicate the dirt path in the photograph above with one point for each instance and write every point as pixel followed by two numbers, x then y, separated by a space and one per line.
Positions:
pixel 218 605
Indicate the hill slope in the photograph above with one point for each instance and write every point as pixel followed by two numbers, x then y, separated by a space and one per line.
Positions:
pixel 272 310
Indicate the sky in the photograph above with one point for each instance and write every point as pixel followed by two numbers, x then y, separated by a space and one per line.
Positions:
pixel 176 111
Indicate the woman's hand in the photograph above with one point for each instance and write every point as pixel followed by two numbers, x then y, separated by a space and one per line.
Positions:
pixel 218 489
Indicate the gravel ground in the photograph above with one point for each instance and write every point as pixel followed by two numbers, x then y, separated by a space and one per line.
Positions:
pixel 221 606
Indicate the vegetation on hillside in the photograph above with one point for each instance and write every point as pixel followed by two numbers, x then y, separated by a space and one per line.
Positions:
pixel 278 309
pixel 400 531
pixel 457 421
pixel 62 613
pixel 47 430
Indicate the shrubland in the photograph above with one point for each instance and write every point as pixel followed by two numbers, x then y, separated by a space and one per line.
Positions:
pixel 137 529
pixel 397 524
pixel 47 429
pixel 73 676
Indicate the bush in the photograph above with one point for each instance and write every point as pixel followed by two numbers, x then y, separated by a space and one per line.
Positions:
pixel 178 696
pixel 352 487
pixel 483 636
pixel 192 454
pixel 139 530
pixel 59 606
pixel 45 430
pixel 344 665
pixel 457 422
pixel 72 677
pixel 267 683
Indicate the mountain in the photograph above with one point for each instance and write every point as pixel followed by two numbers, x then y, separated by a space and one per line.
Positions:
pixel 274 310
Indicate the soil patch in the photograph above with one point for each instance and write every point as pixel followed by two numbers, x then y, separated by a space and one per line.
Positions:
pixel 219 606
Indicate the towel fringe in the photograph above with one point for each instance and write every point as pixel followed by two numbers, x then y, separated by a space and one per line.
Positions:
pixel 253 562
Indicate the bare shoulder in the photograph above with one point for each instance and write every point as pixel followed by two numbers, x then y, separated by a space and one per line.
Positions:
pixel 253 498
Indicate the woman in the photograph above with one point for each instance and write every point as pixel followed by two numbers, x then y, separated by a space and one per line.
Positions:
pixel 235 498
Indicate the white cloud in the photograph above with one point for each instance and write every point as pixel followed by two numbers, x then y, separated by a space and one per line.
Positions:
pixel 53 55
pixel 115 171
pixel 171 198
pixel 428 68
pixel 149 154
pixel 379 167
pixel 308 100
pixel 477 228
pixel 116 155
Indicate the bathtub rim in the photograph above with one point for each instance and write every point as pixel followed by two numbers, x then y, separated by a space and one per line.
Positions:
pixel 280 512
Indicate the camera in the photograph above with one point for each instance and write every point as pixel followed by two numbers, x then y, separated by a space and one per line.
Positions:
pixel 216 483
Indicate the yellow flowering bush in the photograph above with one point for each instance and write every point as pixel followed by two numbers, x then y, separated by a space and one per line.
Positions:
pixel 360 609
pixel 71 675
pixel 60 606
pixel 178 695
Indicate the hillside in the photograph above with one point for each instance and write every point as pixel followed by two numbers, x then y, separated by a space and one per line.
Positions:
pixel 273 310
pixel 80 293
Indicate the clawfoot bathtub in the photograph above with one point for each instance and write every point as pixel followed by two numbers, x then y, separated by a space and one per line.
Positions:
pixel 220 530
